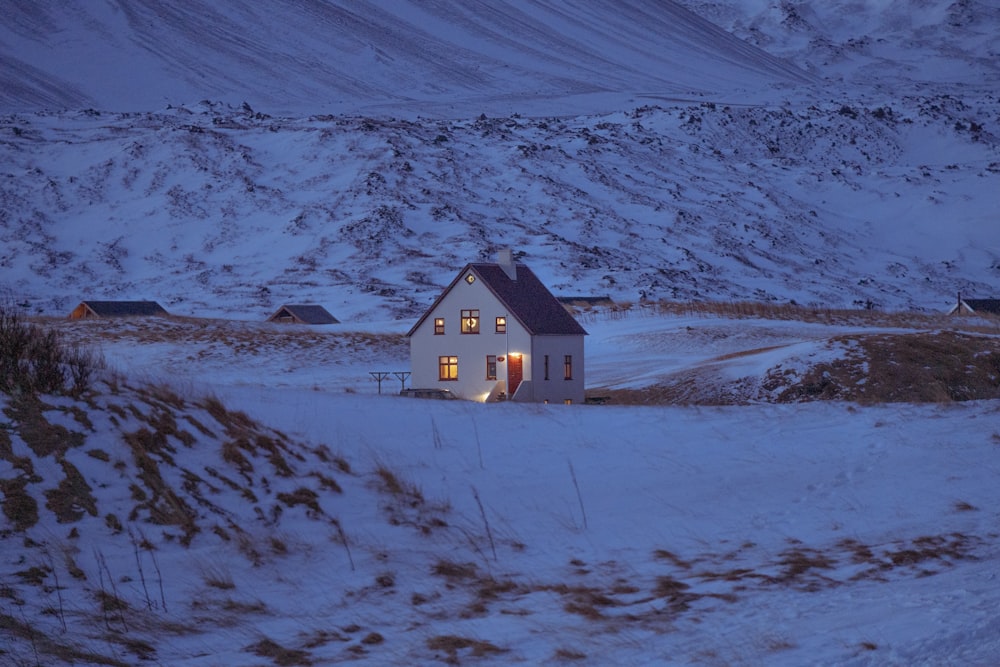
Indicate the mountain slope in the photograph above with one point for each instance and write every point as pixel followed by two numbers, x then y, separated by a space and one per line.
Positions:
pixel 306 57
pixel 212 210
pixel 860 191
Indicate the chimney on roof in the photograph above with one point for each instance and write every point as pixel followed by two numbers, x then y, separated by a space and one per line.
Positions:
pixel 505 258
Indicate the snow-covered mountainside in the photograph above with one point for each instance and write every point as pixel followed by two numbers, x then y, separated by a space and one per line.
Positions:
pixel 636 150
pixel 297 56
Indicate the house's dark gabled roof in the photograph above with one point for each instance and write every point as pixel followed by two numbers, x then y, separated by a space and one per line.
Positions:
pixel 983 305
pixel 303 314
pixel 527 300
pixel 123 308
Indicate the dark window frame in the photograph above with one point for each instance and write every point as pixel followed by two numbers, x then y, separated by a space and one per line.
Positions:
pixel 501 325
pixel 491 367
pixel 438 326
pixel 568 367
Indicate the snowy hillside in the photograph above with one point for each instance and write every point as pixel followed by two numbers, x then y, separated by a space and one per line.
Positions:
pixel 239 494
pixel 452 59
pixel 644 153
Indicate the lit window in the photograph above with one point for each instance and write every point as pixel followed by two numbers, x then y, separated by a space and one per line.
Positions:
pixel 438 326
pixel 470 279
pixel 491 367
pixel 447 368
pixel 470 321
pixel 502 325
pixel 568 367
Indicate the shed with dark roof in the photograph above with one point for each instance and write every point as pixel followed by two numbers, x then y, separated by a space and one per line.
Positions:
pixel 497 332
pixel 303 314
pixel 975 307
pixel 108 309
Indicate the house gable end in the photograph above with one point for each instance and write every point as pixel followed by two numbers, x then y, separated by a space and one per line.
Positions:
pixel 526 299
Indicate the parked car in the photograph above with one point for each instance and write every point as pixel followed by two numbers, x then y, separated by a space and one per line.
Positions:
pixel 428 393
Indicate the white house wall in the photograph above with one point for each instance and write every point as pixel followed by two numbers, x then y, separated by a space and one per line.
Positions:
pixel 556 389
pixel 471 349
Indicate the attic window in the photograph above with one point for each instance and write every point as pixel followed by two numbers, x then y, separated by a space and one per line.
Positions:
pixel 470 279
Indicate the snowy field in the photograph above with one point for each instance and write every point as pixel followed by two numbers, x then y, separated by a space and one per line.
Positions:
pixel 463 533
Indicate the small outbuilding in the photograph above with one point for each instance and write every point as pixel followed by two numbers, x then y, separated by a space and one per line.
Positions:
pixel 109 309
pixel 303 314
pixel 975 307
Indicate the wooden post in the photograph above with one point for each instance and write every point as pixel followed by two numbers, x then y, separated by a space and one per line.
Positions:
pixel 379 376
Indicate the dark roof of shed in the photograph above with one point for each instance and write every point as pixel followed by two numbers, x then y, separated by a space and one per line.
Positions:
pixel 526 299
pixel 308 313
pixel 983 305
pixel 125 308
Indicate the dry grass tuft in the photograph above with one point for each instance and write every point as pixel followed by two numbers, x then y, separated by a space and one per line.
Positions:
pixel 302 496
pixel 567 654
pixel 44 438
pixel 452 645
pixel 72 498
pixel 19 506
pixel 663 554
pixel 218 577
pixel 279 655
pixel 455 571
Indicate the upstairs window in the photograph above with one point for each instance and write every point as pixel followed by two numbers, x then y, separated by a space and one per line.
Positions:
pixel 438 326
pixel 470 321
pixel 502 325
pixel 568 367
pixel 447 368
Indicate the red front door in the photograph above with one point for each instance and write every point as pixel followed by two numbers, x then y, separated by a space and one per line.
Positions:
pixel 515 373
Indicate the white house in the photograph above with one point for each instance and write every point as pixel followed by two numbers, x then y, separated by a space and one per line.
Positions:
pixel 497 333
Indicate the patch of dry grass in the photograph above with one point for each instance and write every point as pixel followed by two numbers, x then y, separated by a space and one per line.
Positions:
pixel 917 367
pixel 453 646
pixel 302 496
pixel 279 655
pixel 72 498
pixel 793 312
pixel 19 506
pixel 43 437
pixel 938 367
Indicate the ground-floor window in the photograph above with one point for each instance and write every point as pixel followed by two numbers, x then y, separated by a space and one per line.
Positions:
pixel 491 367
pixel 447 368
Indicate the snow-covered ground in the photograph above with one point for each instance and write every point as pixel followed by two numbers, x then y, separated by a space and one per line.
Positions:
pixel 225 158
pixel 453 532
